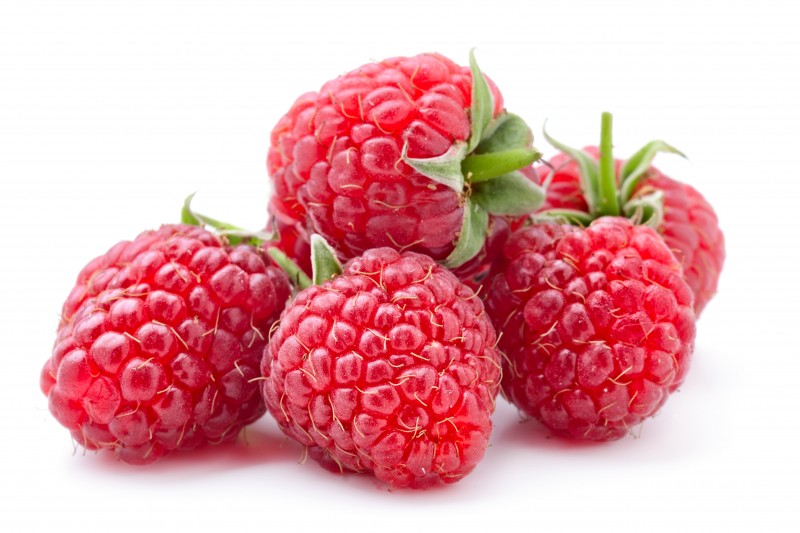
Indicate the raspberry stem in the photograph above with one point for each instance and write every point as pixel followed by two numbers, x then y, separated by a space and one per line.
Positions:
pixel 608 200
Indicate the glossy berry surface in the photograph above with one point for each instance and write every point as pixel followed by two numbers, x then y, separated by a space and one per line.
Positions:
pixel 690 226
pixel 389 368
pixel 336 157
pixel 596 325
pixel 159 343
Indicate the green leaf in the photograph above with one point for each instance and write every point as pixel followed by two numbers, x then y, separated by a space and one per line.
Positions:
pixel 567 216
pixel 504 133
pixel 512 194
pixel 647 209
pixel 589 170
pixel 635 168
pixel 444 169
pixel 473 234
pixel 295 273
pixel 483 167
pixel 324 263
pixel 482 107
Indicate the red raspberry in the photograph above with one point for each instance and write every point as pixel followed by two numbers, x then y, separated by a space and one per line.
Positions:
pixel 689 226
pixel 596 324
pixel 336 156
pixel 388 368
pixel 159 343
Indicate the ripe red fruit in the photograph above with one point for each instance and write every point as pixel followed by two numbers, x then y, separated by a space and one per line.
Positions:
pixel 381 157
pixel 689 225
pixel 336 156
pixel 388 368
pixel 596 324
pixel 160 341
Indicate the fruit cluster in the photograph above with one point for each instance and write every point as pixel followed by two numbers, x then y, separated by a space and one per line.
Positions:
pixel 471 267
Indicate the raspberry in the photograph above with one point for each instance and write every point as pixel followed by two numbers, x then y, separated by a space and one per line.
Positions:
pixel 388 368
pixel 335 157
pixel 596 324
pixel 350 162
pixel 689 224
pixel 159 343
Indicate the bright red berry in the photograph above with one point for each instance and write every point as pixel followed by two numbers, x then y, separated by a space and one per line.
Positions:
pixel 689 224
pixel 160 342
pixel 355 161
pixel 596 324
pixel 336 156
pixel 388 368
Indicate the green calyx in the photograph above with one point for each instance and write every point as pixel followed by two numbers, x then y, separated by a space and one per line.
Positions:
pixel 609 194
pixel 483 170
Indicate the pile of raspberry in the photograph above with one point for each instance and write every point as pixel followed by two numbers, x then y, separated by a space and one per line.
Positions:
pixel 421 257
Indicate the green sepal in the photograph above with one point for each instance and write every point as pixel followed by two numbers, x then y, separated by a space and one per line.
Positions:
pixel 233 234
pixel 589 171
pixel 474 227
pixel 568 216
pixel 444 169
pixel 506 132
pixel 635 168
pixel 488 166
pixel 324 263
pixel 482 106
pixel 511 194
pixel 647 209
pixel 188 216
pixel 295 273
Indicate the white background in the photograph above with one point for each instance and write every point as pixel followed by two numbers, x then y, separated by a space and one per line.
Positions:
pixel 112 112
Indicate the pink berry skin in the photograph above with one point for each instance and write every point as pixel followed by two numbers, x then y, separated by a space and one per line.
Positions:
pixel 389 368
pixel 596 325
pixel 160 343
